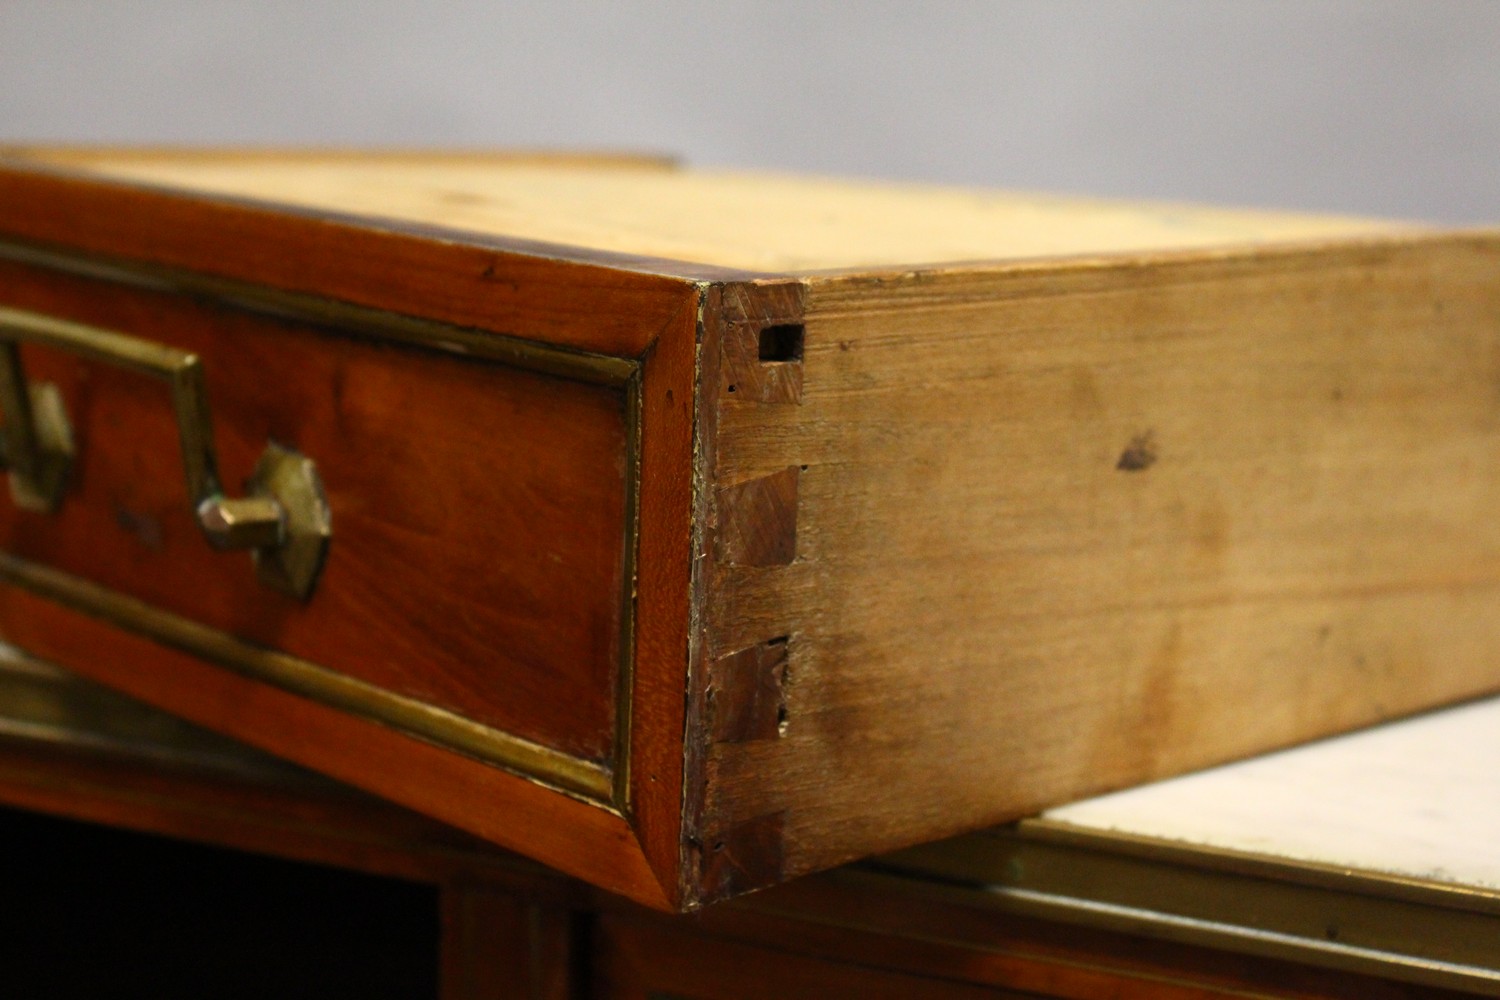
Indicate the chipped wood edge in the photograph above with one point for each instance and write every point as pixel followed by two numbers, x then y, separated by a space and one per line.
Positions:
pixel 748 524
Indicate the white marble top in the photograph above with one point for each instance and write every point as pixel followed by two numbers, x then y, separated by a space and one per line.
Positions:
pixel 1420 798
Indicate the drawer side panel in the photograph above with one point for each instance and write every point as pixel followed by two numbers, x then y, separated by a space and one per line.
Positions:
pixel 1065 528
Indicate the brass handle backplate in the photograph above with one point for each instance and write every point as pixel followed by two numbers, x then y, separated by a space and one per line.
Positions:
pixel 284 519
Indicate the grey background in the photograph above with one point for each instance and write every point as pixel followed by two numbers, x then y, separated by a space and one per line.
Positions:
pixel 1388 108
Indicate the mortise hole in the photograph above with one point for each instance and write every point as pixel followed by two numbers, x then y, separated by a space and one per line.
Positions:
pixel 781 343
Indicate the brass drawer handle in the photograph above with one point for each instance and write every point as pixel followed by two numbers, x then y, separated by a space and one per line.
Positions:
pixel 284 520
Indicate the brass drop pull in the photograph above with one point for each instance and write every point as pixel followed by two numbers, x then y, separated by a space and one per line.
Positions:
pixel 284 520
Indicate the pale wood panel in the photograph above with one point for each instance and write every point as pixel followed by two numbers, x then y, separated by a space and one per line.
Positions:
pixel 1415 798
pixel 757 222
pixel 1061 531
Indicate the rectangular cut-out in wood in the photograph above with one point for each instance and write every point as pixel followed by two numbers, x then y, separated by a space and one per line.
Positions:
pixel 763 343
pixel 781 343
pixel 693 531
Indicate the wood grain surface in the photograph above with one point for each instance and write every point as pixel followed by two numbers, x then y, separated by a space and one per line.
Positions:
pixel 918 549
pixel 501 284
pixel 451 577
pixel 1065 529
pixel 565 832
pixel 456 465
pixel 641 963
pixel 750 222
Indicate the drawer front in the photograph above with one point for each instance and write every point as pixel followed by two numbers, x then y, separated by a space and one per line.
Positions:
pixel 480 491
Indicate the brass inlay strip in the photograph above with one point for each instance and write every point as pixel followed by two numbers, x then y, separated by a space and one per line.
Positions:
pixel 41 703
pixel 1353 921
pixel 357 697
pixel 342 317
pixel 625 674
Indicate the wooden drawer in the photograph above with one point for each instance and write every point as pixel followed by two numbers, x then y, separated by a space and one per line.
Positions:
pixel 688 578
pixel 476 592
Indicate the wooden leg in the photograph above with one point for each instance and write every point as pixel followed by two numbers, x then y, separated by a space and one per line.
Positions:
pixel 497 945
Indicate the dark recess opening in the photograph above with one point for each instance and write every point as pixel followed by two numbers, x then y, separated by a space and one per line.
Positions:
pixel 87 911
pixel 781 343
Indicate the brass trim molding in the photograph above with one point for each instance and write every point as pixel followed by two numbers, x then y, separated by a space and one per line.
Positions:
pixel 357 697
pixel 44 704
pixel 1366 922
pixel 625 668
pixel 605 783
pixel 337 316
